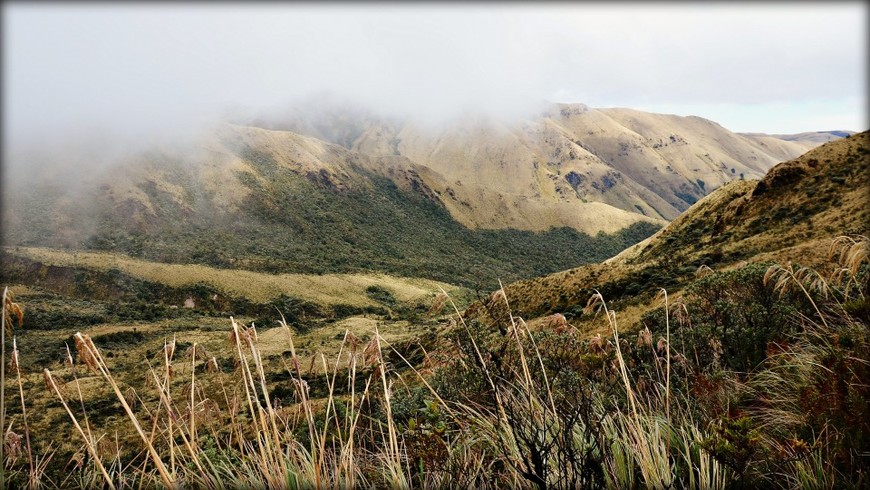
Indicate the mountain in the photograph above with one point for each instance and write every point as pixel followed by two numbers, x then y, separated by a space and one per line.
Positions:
pixel 342 191
pixel 545 172
pixel 791 214
pixel 276 201
pixel 810 139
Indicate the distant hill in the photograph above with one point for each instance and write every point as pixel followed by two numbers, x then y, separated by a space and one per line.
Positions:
pixel 791 214
pixel 810 139
pixel 540 173
pixel 557 168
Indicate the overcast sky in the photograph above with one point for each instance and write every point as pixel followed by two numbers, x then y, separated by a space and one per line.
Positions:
pixel 776 68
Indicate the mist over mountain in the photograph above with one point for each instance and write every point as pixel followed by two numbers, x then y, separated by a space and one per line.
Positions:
pixel 426 245
pixel 338 188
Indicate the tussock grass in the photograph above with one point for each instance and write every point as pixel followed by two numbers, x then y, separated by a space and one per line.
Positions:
pixel 500 405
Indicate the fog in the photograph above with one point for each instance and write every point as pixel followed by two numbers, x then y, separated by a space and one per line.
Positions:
pixel 126 74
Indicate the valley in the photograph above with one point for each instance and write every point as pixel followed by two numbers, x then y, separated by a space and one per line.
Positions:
pixel 166 307
pixel 434 246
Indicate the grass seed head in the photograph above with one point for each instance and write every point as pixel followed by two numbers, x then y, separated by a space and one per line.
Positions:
pixel 131 397
pixel 557 322
pixel 371 354
pixel 85 350
pixel 661 345
pixel 12 310
pixel 644 338
pixel 196 352
pixel 597 344
pixel 851 252
pixel 593 305
pixel 12 444
pixel 353 341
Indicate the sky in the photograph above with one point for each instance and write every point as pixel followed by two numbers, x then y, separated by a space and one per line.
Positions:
pixel 126 69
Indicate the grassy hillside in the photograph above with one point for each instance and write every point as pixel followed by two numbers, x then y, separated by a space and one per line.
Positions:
pixel 789 215
pixel 323 289
pixel 307 208
pixel 748 374
pixel 809 139
pixel 573 157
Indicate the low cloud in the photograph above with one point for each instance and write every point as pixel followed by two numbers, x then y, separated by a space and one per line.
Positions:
pixel 127 71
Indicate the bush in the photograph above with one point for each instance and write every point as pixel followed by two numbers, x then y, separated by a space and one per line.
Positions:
pixel 732 318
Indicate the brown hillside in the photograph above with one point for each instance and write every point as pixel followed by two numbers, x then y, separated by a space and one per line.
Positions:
pixel 790 215
pixel 554 169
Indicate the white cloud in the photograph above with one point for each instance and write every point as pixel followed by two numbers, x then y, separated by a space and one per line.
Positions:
pixel 144 68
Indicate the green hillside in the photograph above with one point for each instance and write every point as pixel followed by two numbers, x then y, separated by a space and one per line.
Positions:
pixel 298 222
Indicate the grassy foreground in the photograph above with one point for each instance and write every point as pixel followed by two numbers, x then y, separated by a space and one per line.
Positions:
pixel 754 377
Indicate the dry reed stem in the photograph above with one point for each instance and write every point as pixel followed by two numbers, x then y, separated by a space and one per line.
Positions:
pixel 17 367
pixel 88 442
pixel 164 398
pixel 529 384
pixel 250 386
pixel 101 365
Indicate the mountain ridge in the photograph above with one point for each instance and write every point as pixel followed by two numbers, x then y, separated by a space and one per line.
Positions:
pixel 399 199
pixel 574 154
pixel 791 214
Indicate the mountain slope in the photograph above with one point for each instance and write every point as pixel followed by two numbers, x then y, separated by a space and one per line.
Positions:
pixel 809 139
pixel 276 201
pixel 477 202
pixel 571 157
pixel 790 215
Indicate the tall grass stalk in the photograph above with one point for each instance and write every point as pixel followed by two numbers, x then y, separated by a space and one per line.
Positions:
pixel 168 353
pixel 664 292
pixel 33 478
pixel 100 364
pixel 3 386
pixel 528 377
pixel 187 441
pixel 393 460
pixel 89 443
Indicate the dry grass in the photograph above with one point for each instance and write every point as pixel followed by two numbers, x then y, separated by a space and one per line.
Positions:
pixel 187 424
pixel 736 222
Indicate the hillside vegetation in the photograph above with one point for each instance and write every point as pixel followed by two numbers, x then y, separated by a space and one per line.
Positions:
pixel 324 290
pixel 704 357
pixel 791 214
pixel 283 203
pixel 496 175
pixel 758 378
